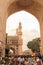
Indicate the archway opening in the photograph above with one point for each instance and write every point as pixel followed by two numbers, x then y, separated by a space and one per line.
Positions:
pixel 30 26
pixel 9 52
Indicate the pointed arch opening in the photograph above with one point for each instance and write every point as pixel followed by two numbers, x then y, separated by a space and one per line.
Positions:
pixel 30 26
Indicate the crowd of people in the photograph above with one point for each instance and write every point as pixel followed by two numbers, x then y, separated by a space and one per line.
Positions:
pixel 21 60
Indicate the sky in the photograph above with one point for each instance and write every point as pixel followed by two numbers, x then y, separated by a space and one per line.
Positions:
pixel 30 26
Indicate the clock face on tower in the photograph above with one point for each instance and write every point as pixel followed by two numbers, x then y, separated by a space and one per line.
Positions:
pixel 25 2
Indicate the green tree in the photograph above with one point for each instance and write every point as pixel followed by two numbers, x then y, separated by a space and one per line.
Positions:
pixel 34 44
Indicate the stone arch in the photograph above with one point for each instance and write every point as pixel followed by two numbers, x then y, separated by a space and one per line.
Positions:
pixel 35 8
pixel 12 6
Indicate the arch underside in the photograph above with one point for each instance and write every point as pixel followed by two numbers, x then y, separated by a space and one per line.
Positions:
pixel 35 8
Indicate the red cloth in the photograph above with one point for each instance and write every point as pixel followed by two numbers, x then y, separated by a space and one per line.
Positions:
pixel 39 62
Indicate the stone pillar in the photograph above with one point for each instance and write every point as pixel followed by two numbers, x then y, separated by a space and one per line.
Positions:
pixel 20 47
pixel 3 29
pixel 41 30
pixel 19 50
pixel 3 38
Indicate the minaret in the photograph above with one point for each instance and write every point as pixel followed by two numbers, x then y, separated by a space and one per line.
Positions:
pixel 20 41
pixel 19 30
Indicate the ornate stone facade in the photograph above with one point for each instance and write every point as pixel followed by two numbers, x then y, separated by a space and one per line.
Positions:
pixel 15 42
